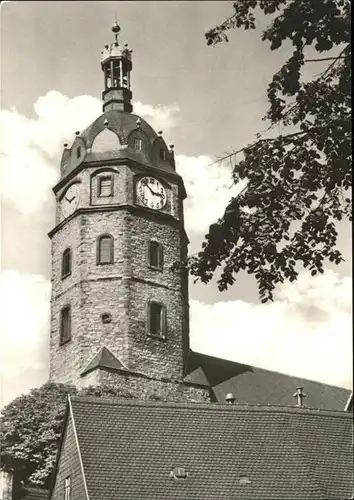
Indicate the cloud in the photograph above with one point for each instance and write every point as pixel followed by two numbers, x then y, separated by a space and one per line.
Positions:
pixel 31 147
pixel 159 117
pixel 31 150
pixel 306 331
pixel 209 188
pixel 24 322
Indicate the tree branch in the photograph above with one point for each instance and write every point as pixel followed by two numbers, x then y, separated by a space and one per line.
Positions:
pixel 324 59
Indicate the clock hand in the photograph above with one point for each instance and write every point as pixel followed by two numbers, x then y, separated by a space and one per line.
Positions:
pixel 147 185
pixel 156 194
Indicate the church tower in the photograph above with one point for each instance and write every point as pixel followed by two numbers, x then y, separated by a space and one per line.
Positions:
pixel 119 313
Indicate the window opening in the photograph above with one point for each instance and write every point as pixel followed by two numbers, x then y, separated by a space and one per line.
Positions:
pixel 106 318
pixel 105 250
pixel 66 263
pixel 155 255
pixel 157 323
pixel 105 185
pixel 65 325
pixel 138 144
pixel 67 488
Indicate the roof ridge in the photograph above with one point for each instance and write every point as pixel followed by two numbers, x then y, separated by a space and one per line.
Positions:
pixel 114 401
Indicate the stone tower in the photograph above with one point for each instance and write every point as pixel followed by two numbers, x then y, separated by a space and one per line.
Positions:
pixel 119 314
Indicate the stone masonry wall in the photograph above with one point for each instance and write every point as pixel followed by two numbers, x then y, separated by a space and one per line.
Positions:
pixel 121 289
pixel 145 389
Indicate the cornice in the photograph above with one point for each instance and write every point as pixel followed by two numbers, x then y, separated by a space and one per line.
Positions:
pixel 134 209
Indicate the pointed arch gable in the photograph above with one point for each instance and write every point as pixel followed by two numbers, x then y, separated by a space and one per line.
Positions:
pixel 139 143
pixel 159 150
pixel 106 140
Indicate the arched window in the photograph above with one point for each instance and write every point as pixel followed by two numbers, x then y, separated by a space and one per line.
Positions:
pixel 65 325
pixel 66 263
pixel 162 154
pixel 105 249
pixel 156 319
pixel 155 255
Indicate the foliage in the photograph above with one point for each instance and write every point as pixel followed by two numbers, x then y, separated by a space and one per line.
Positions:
pixel 297 182
pixel 31 427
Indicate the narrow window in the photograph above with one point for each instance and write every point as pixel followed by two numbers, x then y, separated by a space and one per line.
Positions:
pixel 78 152
pixel 67 488
pixel 105 186
pixel 65 325
pixel 105 249
pixel 162 154
pixel 138 144
pixel 155 255
pixel 157 319
pixel 66 263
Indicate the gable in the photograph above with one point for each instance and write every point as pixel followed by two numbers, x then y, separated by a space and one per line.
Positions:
pixel 105 141
pixel 69 465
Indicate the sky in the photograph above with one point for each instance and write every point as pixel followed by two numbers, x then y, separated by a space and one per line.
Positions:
pixel 207 101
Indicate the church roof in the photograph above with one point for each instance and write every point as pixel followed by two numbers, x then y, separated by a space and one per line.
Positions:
pixel 132 449
pixel 251 385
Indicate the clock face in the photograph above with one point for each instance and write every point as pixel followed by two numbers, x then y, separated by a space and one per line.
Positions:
pixel 151 193
pixel 70 200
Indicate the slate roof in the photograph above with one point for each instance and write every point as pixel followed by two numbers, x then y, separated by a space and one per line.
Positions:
pixel 122 124
pixel 229 451
pixel 253 385
pixel 104 359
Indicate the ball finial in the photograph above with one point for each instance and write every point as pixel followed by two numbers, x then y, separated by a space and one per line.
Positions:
pixel 116 28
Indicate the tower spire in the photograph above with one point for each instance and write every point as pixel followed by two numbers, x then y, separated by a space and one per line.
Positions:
pixel 116 63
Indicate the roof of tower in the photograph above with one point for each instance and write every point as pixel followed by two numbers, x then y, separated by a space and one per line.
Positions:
pixel 114 49
pixel 121 123
pixel 114 136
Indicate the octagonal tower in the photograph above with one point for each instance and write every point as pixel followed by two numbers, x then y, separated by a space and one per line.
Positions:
pixel 119 314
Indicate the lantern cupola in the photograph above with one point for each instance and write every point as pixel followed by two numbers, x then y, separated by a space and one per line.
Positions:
pixel 116 63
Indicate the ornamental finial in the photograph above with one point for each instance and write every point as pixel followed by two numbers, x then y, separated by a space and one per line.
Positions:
pixel 116 30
